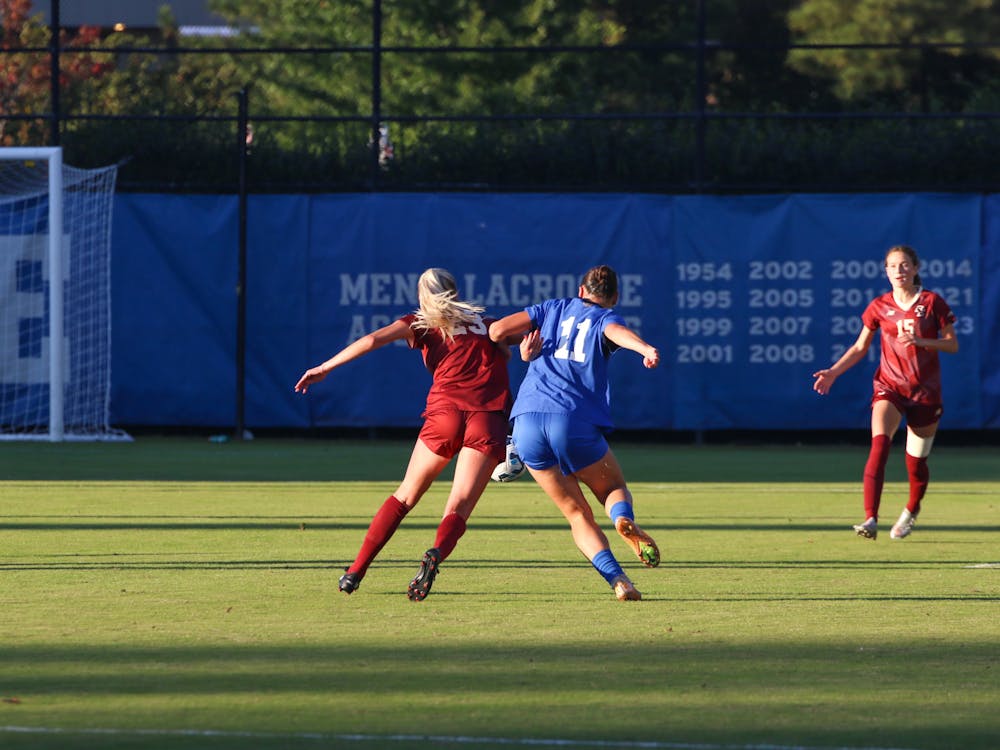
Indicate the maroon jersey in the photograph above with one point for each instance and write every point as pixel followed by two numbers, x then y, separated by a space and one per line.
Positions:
pixel 469 372
pixel 911 371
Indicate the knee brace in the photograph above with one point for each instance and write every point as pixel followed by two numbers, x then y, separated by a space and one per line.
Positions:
pixel 917 446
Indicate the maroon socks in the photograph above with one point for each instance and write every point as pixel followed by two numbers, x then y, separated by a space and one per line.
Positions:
pixel 381 529
pixel 916 469
pixel 449 531
pixel 874 476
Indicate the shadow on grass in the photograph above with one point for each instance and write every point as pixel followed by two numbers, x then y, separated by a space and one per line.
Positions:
pixel 520 691
pixel 148 561
pixel 309 523
pixel 279 460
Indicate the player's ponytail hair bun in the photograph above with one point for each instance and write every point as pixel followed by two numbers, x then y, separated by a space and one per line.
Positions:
pixel 601 282
pixel 910 253
pixel 440 307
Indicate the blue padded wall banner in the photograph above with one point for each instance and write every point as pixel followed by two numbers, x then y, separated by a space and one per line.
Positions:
pixel 746 296
pixel 173 310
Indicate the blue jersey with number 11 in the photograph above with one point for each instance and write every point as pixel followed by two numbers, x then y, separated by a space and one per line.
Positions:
pixel 571 374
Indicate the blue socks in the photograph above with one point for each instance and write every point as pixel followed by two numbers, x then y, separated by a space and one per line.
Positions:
pixel 619 509
pixel 604 561
pixel 607 565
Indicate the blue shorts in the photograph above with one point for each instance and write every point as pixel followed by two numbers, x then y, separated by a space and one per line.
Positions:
pixel 544 440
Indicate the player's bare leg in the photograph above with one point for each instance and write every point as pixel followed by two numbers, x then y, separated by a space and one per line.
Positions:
pixel 918 447
pixel 423 468
pixel 606 480
pixel 565 492
pixel 886 419
pixel 472 474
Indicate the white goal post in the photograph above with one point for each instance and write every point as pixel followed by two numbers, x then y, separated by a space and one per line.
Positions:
pixel 55 298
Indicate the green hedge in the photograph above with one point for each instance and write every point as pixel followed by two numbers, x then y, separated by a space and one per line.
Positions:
pixel 740 155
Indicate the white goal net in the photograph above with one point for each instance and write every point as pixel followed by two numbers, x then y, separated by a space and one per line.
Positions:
pixel 55 298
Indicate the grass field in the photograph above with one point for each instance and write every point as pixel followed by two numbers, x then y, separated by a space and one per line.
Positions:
pixel 175 593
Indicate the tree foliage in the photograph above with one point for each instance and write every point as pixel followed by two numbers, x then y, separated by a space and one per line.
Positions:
pixel 898 77
pixel 525 94
pixel 25 71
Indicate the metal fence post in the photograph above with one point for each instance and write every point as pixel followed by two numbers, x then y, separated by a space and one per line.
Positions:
pixel 699 156
pixel 241 284
pixel 376 88
pixel 54 24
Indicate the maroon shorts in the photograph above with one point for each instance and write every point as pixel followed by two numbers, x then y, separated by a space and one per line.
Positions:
pixel 917 415
pixel 447 430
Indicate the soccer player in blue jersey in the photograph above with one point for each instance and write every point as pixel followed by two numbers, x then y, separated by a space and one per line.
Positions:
pixel 562 415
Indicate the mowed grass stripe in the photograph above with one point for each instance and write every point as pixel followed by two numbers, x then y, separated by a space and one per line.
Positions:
pixel 170 603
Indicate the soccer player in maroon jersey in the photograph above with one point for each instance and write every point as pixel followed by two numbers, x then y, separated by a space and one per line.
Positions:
pixel 915 325
pixel 465 415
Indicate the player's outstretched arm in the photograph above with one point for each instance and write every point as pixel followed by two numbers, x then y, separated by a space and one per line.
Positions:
pixel 854 354
pixel 510 328
pixel 368 343
pixel 626 338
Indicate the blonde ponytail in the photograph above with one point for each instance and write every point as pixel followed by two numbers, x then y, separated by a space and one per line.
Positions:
pixel 440 308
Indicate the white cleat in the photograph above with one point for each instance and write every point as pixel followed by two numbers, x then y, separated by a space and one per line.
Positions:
pixel 625 591
pixel 868 529
pixel 904 526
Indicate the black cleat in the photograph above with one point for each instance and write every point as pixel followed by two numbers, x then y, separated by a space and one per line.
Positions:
pixel 349 582
pixel 420 586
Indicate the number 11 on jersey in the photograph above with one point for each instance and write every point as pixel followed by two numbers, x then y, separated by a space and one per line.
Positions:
pixel 565 332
